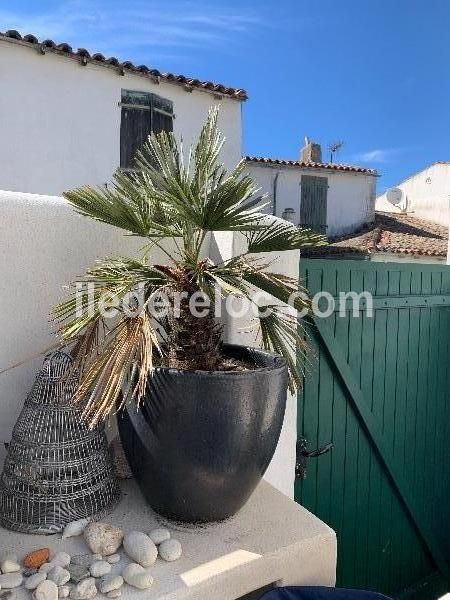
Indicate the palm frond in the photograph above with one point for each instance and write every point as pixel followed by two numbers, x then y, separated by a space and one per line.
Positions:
pixel 279 333
pixel 280 236
pixel 132 342
pixel 281 287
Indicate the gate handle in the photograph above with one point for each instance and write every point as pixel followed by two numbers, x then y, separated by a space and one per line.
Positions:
pixel 303 453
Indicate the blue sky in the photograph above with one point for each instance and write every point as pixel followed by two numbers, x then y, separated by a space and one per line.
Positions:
pixel 373 73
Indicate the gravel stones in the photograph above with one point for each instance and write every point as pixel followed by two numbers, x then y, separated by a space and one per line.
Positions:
pixel 32 582
pixel 110 583
pixel 140 548
pixel 103 538
pixel 59 575
pixel 113 559
pixel 158 536
pixel 100 568
pixel 9 581
pixel 138 577
pixel 47 590
pixel 85 590
pixel 63 591
pixel 78 572
pixel 83 560
pixel 61 559
pixel 170 550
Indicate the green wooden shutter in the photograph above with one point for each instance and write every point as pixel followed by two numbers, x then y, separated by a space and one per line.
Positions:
pixel 142 114
pixel 313 202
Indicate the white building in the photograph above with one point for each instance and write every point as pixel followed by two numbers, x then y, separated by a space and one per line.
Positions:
pixel 332 198
pixel 69 118
pixel 425 195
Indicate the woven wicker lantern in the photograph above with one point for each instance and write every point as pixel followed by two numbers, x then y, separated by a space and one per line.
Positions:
pixel 56 470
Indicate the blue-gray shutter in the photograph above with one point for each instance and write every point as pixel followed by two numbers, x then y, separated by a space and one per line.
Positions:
pixel 313 202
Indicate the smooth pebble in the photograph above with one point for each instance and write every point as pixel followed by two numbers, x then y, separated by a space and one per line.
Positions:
pixel 114 594
pixel 46 567
pixel 59 575
pixel 140 548
pixel 61 559
pixel 8 581
pixel 103 538
pixel 75 528
pixel 110 583
pixel 32 582
pixel 170 550
pixel 78 572
pixel 47 590
pixel 158 536
pixel 63 591
pixel 100 568
pixel 138 577
pixel 85 590
pixel 10 565
pixel 113 559
pixel 95 557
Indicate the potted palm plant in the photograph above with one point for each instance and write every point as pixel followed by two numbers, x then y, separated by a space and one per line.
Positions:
pixel 199 419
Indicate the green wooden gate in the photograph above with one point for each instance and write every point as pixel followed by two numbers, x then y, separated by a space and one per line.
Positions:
pixel 378 389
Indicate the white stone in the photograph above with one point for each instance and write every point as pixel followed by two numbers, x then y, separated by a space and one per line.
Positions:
pixel 85 590
pixel 114 594
pixel 75 528
pixel 9 565
pixel 138 577
pixel 32 582
pixel 61 559
pixel 158 536
pixel 59 575
pixel 63 591
pixel 113 559
pixel 46 567
pixel 100 568
pixel 47 590
pixel 170 550
pixel 9 581
pixel 103 538
pixel 110 583
pixel 140 548
pixel 95 557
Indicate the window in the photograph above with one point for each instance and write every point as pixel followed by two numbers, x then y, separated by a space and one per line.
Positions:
pixel 142 114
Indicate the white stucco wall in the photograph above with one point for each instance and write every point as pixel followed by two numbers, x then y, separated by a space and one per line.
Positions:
pixel 60 121
pixel 426 195
pixel 44 245
pixel 351 196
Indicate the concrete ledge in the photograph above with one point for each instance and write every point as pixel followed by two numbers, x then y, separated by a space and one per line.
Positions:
pixel 272 540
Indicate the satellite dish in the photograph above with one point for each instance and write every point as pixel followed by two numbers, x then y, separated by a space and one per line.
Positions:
pixel 394 196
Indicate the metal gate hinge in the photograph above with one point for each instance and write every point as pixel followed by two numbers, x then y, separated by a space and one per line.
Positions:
pixel 303 453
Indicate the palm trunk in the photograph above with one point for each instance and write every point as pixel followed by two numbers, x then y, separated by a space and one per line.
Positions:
pixel 194 342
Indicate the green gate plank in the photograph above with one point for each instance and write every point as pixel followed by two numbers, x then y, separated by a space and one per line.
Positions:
pixel 393 465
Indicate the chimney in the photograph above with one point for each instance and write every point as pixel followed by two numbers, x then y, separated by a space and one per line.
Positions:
pixel 311 152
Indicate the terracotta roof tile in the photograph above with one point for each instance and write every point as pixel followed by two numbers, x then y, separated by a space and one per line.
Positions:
pixel 65 49
pixel 391 233
pixel 309 165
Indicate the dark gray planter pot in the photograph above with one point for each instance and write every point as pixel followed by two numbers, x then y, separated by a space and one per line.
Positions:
pixel 201 441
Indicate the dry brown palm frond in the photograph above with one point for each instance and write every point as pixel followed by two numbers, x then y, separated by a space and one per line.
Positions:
pixel 132 341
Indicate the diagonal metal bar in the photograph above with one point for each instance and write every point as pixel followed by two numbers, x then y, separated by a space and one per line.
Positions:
pixel 375 433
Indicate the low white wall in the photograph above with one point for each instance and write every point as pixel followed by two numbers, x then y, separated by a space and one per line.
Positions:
pixel 350 200
pixel 44 245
